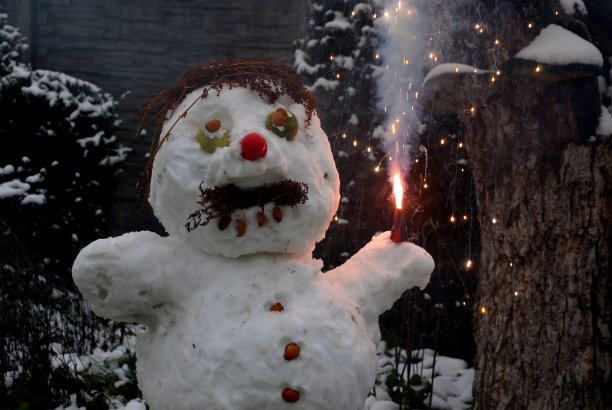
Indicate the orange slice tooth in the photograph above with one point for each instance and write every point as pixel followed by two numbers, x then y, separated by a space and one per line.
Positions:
pixel 241 227
pixel 261 218
pixel 277 214
pixel 224 222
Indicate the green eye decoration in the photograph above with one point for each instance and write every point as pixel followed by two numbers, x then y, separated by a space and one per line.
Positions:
pixel 283 123
pixel 207 139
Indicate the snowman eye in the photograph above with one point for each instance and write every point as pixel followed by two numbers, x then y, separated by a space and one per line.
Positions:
pixel 283 123
pixel 212 136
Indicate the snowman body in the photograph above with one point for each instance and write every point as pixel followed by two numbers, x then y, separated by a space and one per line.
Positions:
pixel 223 302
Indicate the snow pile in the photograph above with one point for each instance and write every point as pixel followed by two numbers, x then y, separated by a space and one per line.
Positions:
pixel 604 126
pixel 339 22
pixel 449 68
pixel 571 6
pixel 452 381
pixel 558 46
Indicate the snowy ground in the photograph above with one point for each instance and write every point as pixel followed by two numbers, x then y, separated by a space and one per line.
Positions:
pixel 452 383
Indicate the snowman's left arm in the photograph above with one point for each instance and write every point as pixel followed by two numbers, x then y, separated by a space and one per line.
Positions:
pixel 379 273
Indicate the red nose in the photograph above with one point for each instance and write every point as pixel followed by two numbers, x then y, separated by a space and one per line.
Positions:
pixel 253 146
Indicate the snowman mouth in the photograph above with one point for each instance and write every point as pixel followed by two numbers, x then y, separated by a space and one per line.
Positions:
pixel 221 202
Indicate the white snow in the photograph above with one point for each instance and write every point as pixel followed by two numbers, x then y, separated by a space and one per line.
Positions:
pixel 212 340
pixel 452 381
pixel 13 188
pixel 301 65
pixel 558 46
pixel 570 6
pixel 95 140
pixel 363 8
pixel 343 62
pixel 604 126
pixel 7 170
pixel 353 120
pixel 33 199
pixel 450 68
pixel 379 132
pixel 324 83
pixel 338 23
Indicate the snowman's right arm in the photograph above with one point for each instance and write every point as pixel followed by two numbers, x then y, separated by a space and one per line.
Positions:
pixel 123 278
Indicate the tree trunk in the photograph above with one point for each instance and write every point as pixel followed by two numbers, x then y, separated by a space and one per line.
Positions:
pixel 543 181
pixel 545 213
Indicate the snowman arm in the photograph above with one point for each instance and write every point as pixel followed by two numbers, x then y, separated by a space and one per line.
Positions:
pixel 379 273
pixel 121 277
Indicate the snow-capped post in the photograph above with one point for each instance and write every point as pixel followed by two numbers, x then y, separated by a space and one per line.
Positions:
pixel 398 231
pixel 239 314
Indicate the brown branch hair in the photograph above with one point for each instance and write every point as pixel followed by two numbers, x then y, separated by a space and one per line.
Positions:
pixel 267 78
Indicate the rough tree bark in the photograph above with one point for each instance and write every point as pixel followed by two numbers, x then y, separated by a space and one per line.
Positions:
pixel 548 344
pixel 544 278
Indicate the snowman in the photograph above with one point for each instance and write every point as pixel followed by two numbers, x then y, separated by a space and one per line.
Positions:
pixel 238 314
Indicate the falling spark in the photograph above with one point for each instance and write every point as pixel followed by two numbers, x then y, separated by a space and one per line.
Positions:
pixel 468 264
pixel 483 310
pixel 494 220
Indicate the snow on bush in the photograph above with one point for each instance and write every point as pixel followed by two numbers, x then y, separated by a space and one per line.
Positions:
pixel 58 158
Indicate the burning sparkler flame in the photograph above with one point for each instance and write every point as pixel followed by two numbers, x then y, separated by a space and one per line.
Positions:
pixel 398 189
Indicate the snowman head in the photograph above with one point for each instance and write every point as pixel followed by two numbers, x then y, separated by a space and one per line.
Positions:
pixel 242 164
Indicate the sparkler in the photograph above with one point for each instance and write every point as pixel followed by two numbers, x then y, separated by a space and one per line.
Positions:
pixel 398 231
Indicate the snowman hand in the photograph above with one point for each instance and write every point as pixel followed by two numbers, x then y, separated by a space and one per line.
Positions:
pixel 379 273
pixel 120 277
